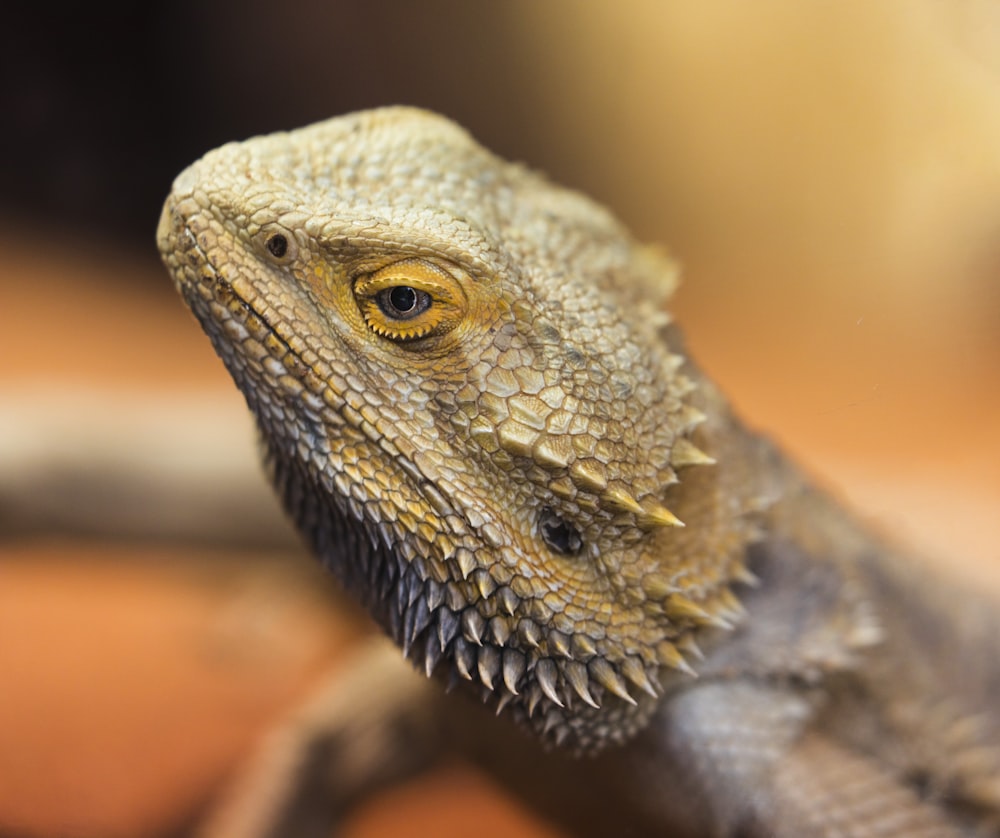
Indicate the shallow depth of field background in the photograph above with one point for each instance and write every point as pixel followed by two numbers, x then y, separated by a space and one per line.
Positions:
pixel 828 174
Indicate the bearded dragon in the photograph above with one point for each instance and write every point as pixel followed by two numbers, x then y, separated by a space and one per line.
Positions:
pixel 478 414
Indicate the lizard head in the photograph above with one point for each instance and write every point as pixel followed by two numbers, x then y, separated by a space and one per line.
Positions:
pixel 468 406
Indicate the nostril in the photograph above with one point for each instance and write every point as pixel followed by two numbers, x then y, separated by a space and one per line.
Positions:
pixel 277 245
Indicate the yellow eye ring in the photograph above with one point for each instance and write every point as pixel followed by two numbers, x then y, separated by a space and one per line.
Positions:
pixel 410 299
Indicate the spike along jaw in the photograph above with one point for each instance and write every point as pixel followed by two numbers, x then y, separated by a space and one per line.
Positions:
pixel 467 408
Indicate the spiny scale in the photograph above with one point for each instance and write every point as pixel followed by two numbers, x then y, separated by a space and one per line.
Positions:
pixel 505 699
pixel 447 626
pixel 658 515
pixel 514 663
pixel 636 673
pixel 466 562
pixel 432 655
pixel 559 643
pixel 687 645
pixel 685 453
pixel 489 665
pixel 534 698
pixel 499 629
pixel 546 674
pixel 650 517
pixel 671 656
pixel 606 676
pixel 657 586
pixel 679 607
pixel 513 668
pixel 465 658
pixel 569 674
pixel 576 674
pixel 473 626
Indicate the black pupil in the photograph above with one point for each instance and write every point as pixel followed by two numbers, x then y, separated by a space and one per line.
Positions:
pixel 277 245
pixel 403 299
pixel 559 535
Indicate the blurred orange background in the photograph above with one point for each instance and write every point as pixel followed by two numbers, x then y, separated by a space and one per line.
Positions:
pixel 827 174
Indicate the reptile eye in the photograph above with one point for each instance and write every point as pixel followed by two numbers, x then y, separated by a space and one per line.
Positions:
pixel 560 536
pixel 277 245
pixel 404 302
pixel 410 299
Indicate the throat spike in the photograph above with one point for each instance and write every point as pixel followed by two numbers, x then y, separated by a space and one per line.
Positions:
pixel 687 645
pixel 576 674
pixel 742 574
pixel 633 669
pixel 505 699
pixel 605 675
pixel 546 673
pixel 671 656
pixel 473 626
pixel 488 665
pixel 657 587
pixel 432 654
pixel 679 607
pixel 513 669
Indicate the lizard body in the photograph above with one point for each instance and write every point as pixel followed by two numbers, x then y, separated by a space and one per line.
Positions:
pixel 478 415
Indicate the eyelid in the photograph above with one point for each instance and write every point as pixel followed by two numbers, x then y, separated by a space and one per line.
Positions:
pixel 447 302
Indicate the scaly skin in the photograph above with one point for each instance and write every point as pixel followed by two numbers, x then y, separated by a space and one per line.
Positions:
pixel 477 413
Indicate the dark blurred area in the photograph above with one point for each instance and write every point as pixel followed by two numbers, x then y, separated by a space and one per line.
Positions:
pixel 827 174
pixel 103 106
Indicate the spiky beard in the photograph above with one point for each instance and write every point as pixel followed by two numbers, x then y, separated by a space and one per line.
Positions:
pixel 565 701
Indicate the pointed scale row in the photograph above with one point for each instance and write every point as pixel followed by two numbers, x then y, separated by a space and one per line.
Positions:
pixel 479 655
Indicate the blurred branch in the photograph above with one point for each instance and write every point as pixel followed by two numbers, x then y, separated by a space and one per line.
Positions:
pixel 124 465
